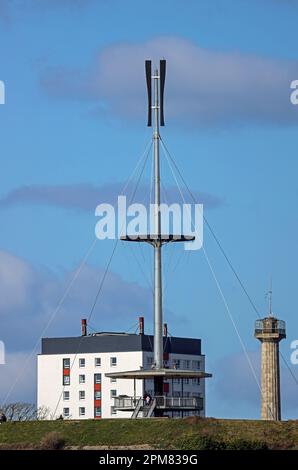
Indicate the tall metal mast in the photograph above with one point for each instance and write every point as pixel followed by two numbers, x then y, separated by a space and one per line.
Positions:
pixel 158 339
pixel 156 239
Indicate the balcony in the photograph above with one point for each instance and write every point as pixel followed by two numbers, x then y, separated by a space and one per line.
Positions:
pixel 270 327
pixel 161 402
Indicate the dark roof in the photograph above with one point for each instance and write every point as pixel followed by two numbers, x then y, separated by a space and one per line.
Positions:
pixel 109 342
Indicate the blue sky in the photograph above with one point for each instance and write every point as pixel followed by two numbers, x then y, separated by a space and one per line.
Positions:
pixel 74 125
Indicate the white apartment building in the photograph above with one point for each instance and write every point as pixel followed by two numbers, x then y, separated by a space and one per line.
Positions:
pixel 71 378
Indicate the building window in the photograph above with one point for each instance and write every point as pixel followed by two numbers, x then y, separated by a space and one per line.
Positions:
pixel 82 394
pixel 113 380
pixel 66 412
pixel 97 412
pixel 196 365
pixel 196 381
pixel 66 371
pixel 97 395
pixel 97 378
pixel 113 410
pixel 81 378
pixel 186 381
pixel 176 363
pixel 113 393
pixel 82 362
pixel 82 411
pixel 65 395
pixel 66 380
pixel 97 362
pixel 113 361
pixel 176 380
pixel 149 360
pixel 66 363
pixel 186 364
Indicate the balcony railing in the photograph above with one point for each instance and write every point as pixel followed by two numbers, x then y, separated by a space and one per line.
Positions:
pixel 162 402
pixel 273 327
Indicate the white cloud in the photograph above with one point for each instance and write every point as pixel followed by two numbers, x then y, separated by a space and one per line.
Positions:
pixel 16 281
pixel 86 197
pixel 30 295
pixel 20 367
pixel 203 87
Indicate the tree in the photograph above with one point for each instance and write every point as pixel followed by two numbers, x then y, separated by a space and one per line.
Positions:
pixel 24 412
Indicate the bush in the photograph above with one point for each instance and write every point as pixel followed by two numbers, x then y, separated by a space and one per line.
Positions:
pixel 52 441
pixel 210 443
pixel 243 444
pixel 201 443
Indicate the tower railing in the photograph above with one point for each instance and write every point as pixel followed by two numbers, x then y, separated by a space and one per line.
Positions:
pixel 275 326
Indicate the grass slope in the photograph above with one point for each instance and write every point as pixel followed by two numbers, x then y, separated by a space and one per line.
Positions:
pixel 187 433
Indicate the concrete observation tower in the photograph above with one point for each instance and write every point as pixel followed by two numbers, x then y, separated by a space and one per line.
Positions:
pixel 270 331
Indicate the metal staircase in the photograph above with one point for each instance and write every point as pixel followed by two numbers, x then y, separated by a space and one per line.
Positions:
pixel 137 408
pixel 147 410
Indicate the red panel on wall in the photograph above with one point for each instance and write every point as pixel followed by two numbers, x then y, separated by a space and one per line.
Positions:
pixel 66 371
pixel 97 403
pixel 166 387
pixel 97 386
pixel 166 356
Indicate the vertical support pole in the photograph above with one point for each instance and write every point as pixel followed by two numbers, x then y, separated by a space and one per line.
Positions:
pixel 158 337
pixel 158 340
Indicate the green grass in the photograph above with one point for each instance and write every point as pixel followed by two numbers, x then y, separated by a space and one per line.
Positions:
pixel 188 433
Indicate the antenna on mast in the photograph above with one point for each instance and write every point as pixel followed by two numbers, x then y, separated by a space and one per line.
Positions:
pixel 269 296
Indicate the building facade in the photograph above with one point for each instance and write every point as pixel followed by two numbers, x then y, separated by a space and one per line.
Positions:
pixel 71 378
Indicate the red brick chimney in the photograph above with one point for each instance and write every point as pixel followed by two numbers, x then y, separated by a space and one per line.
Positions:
pixel 84 326
pixel 141 325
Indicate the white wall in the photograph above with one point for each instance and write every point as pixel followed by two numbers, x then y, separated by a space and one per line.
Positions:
pixel 50 382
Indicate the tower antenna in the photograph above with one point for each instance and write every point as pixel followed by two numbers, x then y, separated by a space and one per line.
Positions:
pixel 269 295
